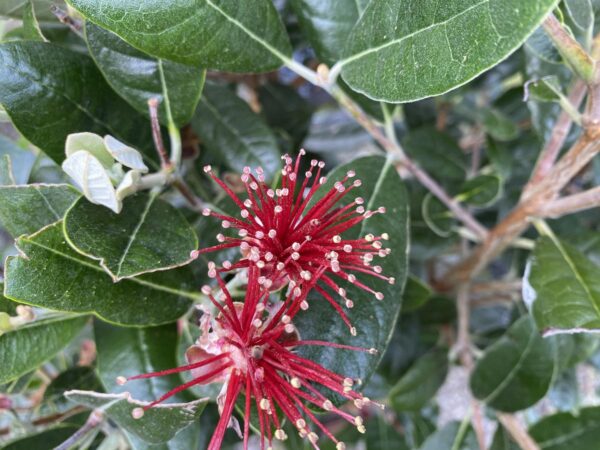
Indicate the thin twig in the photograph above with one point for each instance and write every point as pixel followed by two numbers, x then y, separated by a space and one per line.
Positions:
pixel 95 419
pixel 572 203
pixel 518 432
pixel 390 144
pixel 551 150
pixel 64 18
pixel 156 135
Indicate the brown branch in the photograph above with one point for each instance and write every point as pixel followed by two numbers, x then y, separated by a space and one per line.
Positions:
pixel 95 419
pixel 59 417
pixel 156 135
pixel 518 432
pixel 551 150
pixel 572 203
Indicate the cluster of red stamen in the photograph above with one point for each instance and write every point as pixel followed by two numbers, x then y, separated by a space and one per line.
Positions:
pixel 291 233
pixel 250 347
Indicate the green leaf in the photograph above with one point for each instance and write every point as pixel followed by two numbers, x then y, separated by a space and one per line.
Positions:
pixel 50 274
pixel 404 50
pixel 149 235
pixel 374 320
pixel 516 371
pixel 438 153
pixel 232 133
pixel 420 383
pixel 217 34
pixel 498 125
pixel 453 436
pixel 503 440
pixel 437 216
pixel 6 174
pixel 31 27
pixel 159 424
pixel 566 431
pixel 382 435
pixel 416 294
pixel 15 8
pixel 38 205
pixel 83 377
pixel 7 306
pixel 133 351
pixel 546 89
pixel 562 289
pixel 27 347
pixel 50 92
pixel 136 76
pixel 328 23
pixel 482 190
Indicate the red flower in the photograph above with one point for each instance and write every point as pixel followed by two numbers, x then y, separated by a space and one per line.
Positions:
pixel 250 347
pixel 281 234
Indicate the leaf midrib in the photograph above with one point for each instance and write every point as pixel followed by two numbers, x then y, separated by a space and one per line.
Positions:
pixel 149 284
pixel 378 48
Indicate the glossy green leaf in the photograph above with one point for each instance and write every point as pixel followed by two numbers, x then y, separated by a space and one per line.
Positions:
pixel 562 288
pixel 546 89
pixel 38 205
pixel 416 294
pixel 50 274
pixel 218 34
pixel 428 48
pixel 50 92
pixel 232 133
pixel 147 236
pixel 328 23
pixel 133 351
pixel 516 371
pixel 566 431
pixel 136 76
pixel 27 347
pixel 382 435
pixel 482 190
pixel 374 320
pixel 420 383
pixel 454 436
pixel 159 424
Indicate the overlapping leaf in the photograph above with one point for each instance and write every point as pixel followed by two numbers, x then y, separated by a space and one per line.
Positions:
pixel 50 274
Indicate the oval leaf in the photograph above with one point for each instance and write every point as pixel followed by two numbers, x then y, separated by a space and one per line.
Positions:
pixel 26 348
pixel 52 275
pixel 561 289
pixel 428 48
pixel 149 235
pixel 566 431
pixel 482 190
pixel 420 383
pixel 374 320
pixel 219 34
pixel 516 371
pixel 136 76
pixel 50 92
pixel 232 133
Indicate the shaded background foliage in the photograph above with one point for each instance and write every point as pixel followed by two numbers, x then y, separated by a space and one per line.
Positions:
pixel 233 73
